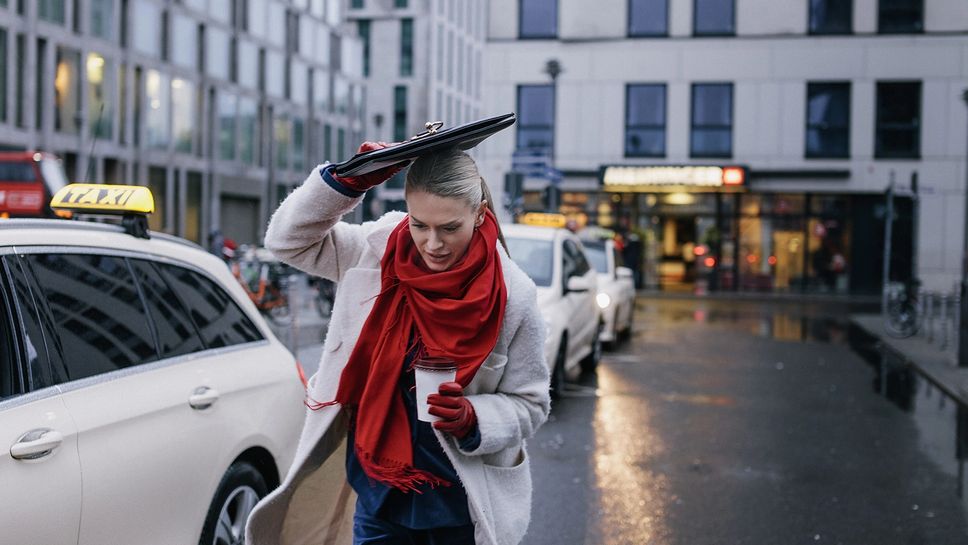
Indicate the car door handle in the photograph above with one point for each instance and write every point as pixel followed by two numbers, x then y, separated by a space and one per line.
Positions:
pixel 36 444
pixel 203 397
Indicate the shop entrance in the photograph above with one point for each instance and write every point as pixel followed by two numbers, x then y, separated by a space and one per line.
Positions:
pixel 681 240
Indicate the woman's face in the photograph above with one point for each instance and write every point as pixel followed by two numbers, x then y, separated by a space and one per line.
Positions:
pixel 441 227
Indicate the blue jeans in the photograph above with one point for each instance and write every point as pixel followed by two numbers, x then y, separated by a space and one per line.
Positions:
pixel 369 530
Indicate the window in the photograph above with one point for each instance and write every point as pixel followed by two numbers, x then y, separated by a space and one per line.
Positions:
pixel 51 10
pixel 648 17
pixel 67 90
pixel 248 72
pixel 248 130
pixel 97 312
pixel 328 142
pixel 100 83
pixel 171 323
pixel 399 113
pixel 828 120
pixel 102 18
pixel 184 50
pixel 145 32
pixel 714 18
pixel 183 114
pixel 217 47
pixel 356 4
pixel 898 120
pixel 645 120
pixel 538 19
pixel 536 119
pixel 282 136
pixel 400 4
pixel 535 257
pixel 44 365
pixel 256 18
pixel 214 313
pixel 712 120
pixel 406 47
pixel 298 143
pixel 157 97
pixel 226 106
pixel 900 16
pixel 3 75
pixel 363 29
pixel 299 82
pixel 831 16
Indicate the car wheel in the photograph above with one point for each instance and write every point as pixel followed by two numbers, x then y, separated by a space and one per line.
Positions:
pixel 590 362
pixel 558 371
pixel 241 488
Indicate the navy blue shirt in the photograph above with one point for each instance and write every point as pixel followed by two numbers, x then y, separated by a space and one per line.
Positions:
pixel 440 507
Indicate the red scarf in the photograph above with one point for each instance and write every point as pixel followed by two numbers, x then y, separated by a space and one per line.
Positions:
pixel 455 314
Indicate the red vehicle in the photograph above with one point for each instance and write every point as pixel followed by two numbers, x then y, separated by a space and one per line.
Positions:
pixel 28 180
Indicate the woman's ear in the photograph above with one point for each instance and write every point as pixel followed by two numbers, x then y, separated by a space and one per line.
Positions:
pixel 480 213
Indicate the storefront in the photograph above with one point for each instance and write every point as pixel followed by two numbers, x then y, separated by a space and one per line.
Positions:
pixel 705 228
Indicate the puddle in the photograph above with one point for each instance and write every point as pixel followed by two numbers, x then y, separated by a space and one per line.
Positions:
pixel 941 421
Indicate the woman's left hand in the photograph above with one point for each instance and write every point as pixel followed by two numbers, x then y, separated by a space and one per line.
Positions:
pixel 456 412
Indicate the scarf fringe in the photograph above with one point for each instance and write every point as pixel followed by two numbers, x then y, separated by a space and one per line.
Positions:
pixel 314 405
pixel 403 477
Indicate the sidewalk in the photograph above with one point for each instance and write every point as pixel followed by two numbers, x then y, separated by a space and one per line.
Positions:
pixel 762 296
pixel 937 366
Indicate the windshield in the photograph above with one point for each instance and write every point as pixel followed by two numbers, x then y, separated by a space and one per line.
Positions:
pixel 19 171
pixel 596 256
pixel 534 256
pixel 53 173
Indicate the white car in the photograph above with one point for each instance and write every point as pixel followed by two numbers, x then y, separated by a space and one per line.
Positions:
pixel 616 290
pixel 142 397
pixel 567 286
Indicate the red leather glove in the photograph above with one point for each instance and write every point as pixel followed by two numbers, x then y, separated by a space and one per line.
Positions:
pixel 456 412
pixel 372 179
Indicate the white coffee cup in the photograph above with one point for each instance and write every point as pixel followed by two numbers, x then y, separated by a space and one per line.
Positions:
pixel 429 374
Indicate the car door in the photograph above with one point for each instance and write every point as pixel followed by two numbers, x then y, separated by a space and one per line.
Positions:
pixel 40 497
pixel 584 308
pixel 146 453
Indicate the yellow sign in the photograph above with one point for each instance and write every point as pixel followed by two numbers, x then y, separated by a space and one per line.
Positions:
pixel 104 199
pixel 543 219
pixel 652 179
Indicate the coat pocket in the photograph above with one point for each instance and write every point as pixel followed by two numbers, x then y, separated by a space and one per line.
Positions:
pixel 509 488
pixel 489 374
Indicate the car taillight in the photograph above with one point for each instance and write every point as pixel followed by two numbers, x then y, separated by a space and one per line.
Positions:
pixel 302 374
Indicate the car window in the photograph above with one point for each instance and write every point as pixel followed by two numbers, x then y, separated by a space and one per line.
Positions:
pixel 11 379
pixel 597 256
pixel 43 367
pixel 534 257
pixel 216 315
pixel 173 326
pixel 97 312
pixel 580 264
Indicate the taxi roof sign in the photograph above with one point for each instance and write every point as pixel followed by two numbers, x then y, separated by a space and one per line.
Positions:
pixel 543 219
pixel 104 199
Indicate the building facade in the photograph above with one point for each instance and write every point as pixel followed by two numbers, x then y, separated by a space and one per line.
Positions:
pixel 421 62
pixel 743 144
pixel 219 106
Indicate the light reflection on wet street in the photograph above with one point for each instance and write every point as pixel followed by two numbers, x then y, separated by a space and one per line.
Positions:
pixel 745 422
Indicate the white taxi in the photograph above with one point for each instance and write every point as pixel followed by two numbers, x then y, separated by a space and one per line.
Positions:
pixel 142 397
pixel 567 286
pixel 616 290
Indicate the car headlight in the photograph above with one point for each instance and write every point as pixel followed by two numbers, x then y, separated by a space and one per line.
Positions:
pixel 603 300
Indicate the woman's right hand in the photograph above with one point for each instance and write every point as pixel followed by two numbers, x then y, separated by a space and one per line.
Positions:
pixel 369 180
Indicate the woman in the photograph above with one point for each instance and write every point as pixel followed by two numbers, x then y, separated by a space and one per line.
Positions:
pixel 435 282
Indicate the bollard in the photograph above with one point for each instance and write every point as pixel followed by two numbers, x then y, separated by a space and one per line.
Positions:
pixel 928 316
pixel 294 298
pixel 944 321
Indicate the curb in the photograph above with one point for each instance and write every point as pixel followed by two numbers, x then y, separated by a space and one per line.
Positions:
pixel 939 368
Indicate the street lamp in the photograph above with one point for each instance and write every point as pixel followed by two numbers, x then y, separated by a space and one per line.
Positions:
pixel 963 321
pixel 553 69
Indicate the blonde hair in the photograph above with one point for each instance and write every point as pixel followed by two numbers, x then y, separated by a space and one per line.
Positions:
pixel 451 173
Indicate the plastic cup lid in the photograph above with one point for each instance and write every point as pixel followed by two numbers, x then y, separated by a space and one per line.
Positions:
pixel 435 363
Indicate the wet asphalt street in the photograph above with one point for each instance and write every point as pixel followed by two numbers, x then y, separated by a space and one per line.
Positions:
pixel 743 422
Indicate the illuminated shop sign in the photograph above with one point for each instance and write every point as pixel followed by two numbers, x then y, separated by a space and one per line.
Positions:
pixel 651 179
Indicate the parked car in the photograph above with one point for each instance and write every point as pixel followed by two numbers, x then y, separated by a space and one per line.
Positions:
pixel 28 180
pixel 616 289
pixel 143 399
pixel 567 286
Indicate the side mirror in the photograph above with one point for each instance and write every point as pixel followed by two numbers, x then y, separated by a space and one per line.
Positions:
pixel 578 284
pixel 623 272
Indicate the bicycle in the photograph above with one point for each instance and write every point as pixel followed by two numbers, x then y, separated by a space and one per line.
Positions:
pixel 266 291
pixel 904 310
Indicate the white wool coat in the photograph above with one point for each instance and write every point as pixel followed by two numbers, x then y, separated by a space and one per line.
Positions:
pixel 314 505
